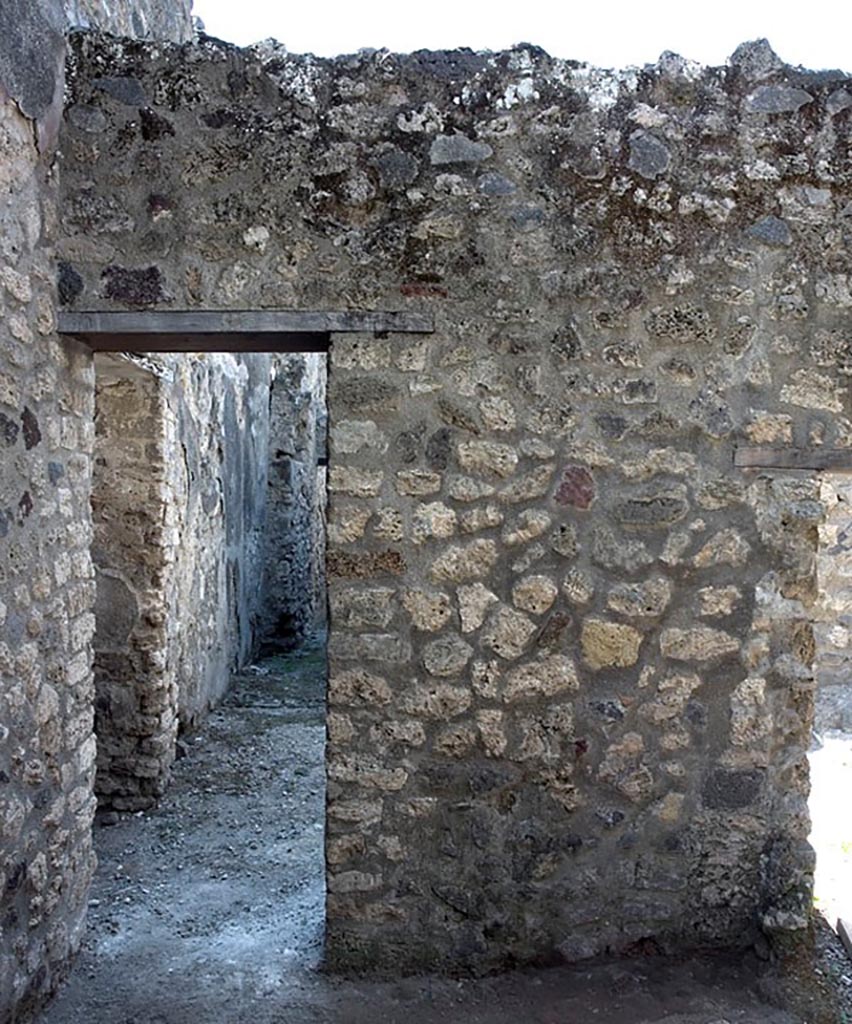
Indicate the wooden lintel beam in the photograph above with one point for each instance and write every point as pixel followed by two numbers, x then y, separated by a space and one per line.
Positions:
pixel 267 321
pixel 280 341
pixel 837 459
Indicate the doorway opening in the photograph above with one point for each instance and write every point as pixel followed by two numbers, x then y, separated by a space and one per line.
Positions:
pixel 209 541
pixel 831 752
pixel 208 504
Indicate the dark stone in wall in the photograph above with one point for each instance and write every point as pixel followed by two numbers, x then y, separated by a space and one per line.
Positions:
pixel 8 430
pixel 116 610
pixel 30 428
pixel 576 488
pixel 70 284
pixel 731 790
pixel 31 53
pixel 134 287
pixel 123 88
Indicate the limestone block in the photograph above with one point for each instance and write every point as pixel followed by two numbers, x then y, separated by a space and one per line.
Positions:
pixel 429 611
pixel 609 644
pixel 488 458
pixel 474 601
pixel 534 594
pixel 460 563
pixel 697 643
pixel 446 656
pixel 508 633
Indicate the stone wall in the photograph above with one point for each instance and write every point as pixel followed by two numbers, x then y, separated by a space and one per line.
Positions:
pixel 293 604
pixel 140 19
pixel 219 437
pixel 47 588
pixel 571 687
pixel 47 750
pixel 833 628
pixel 179 500
pixel 135 688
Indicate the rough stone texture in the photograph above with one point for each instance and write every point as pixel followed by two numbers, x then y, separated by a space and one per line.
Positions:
pixel 833 661
pixel 608 329
pixel 178 495
pixel 47 586
pixel 141 19
pixel 292 602
pixel 47 749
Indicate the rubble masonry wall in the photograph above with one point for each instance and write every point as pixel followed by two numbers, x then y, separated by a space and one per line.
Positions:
pixel 571 688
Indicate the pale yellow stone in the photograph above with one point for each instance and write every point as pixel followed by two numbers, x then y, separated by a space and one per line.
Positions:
pixel 367 772
pixel 391 847
pixel 491 732
pixel 465 488
pixel 433 521
pixel 715 602
pixel 359 483
pixel 342 848
pixel 544 677
pixel 677 738
pixel 446 656
pixel 534 484
pixel 698 643
pixel 417 482
pixel 641 600
pixel 529 524
pixel 487 457
pixel 439 701
pixel 660 460
pixel 429 611
pixel 460 563
pixel 507 633
pixel 675 547
pixel 812 390
pixel 389 524
pixel 498 414
pixel 397 732
pixel 673 694
pixel 485 678
pixel 347 437
pixel 476 519
pixel 347 523
pixel 474 601
pixel 668 810
pixel 455 741
pixel 769 428
pixel 727 547
pixel 357 687
pixel 340 728
pixel 353 881
pixel 534 594
pixel 750 721
pixel 357 812
pixel 578 586
pixel 609 644
pixel 622 768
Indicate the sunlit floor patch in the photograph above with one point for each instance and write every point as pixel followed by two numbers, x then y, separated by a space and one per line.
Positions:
pixel 831 815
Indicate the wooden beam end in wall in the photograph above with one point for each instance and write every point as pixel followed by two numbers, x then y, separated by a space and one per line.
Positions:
pixel 88 324
pixel 835 459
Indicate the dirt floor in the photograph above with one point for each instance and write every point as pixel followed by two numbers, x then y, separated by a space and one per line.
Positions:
pixel 210 908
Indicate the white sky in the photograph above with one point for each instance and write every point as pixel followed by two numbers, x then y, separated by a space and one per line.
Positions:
pixel 609 33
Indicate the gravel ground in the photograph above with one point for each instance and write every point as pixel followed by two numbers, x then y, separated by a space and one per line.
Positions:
pixel 210 909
